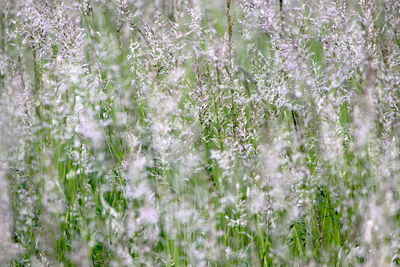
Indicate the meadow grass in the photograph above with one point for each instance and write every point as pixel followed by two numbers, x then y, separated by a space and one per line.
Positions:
pixel 199 133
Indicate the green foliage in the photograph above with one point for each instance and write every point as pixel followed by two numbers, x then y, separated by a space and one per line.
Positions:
pixel 199 133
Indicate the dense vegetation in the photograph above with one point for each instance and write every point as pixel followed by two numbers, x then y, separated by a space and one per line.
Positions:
pixel 199 133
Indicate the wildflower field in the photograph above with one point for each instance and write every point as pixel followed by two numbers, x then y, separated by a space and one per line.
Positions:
pixel 200 133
